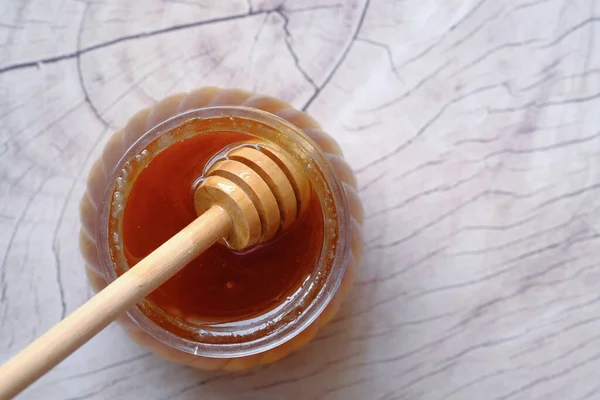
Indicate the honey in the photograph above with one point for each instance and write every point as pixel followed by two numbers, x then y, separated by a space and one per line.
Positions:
pixel 225 310
pixel 220 285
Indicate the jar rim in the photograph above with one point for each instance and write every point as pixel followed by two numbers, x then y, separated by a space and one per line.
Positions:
pixel 287 324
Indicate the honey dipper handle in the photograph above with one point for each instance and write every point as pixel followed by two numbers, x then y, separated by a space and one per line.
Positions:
pixel 122 294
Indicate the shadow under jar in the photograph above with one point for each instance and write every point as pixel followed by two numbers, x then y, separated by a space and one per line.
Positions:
pixel 225 310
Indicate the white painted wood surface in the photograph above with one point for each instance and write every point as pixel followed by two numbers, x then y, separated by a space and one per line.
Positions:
pixel 473 127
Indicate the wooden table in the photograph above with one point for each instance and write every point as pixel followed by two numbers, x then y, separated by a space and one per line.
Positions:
pixel 474 130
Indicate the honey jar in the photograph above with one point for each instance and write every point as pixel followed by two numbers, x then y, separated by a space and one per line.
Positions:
pixel 227 309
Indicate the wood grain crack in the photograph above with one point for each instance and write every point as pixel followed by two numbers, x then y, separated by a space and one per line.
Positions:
pixel 571 30
pixel 125 38
pixel 4 267
pixel 569 195
pixel 110 383
pixel 120 363
pixel 591 394
pixel 549 377
pixel 425 126
pixel 388 52
pixel 531 4
pixel 511 262
pixel 189 388
pixel 341 59
pixel 324 367
pixel 438 189
pixel 290 47
pixel 443 36
pixel 56 251
pixel 480 379
pixel 487 54
pixel 82 84
pixel 59 283
pixel 475 30
pixel 313 8
pixel 532 150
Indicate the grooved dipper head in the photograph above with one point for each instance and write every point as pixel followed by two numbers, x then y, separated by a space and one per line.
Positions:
pixel 262 188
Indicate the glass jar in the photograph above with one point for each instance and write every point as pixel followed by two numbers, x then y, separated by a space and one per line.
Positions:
pixel 258 340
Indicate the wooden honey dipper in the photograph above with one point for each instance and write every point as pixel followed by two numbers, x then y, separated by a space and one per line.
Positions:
pixel 245 199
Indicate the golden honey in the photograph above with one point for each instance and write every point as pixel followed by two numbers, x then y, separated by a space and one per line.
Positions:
pixel 225 310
